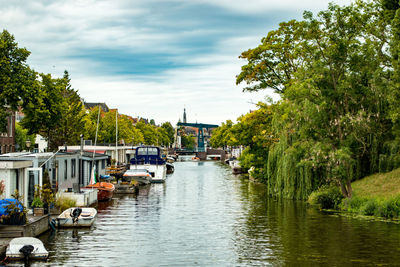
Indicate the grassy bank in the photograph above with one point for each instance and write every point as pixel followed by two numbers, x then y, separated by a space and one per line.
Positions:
pixel 376 195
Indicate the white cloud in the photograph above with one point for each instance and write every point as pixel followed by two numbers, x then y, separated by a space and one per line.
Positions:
pixel 58 33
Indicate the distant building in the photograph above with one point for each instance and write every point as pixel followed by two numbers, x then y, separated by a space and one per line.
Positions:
pixel 7 139
pixel 184 115
pixel 103 106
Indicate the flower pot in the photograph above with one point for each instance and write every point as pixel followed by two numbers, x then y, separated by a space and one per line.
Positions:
pixel 38 211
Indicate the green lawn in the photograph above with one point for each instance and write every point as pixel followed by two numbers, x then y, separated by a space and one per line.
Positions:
pixel 382 185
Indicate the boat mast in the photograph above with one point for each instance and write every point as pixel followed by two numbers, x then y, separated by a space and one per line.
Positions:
pixel 116 136
pixel 95 138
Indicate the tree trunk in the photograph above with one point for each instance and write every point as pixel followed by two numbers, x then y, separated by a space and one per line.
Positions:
pixel 346 191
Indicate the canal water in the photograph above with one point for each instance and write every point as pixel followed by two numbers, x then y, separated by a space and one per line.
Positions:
pixel 205 216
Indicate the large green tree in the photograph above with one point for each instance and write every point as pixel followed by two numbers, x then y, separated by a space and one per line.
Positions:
pixel 45 115
pixel 18 85
pixel 170 131
pixel 332 72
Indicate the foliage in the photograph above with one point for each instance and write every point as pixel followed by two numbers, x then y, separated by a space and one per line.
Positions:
pixel 64 203
pixel 16 211
pixel 21 136
pixel 18 85
pixel 169 131
pixel 385 208
pixel 37 203
pixel 188 141
pixel 72 120
pixel 58 113
pixel 44 194
pixel 335 117
pixel 326 197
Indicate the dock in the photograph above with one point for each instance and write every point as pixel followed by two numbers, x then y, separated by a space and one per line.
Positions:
pixel 36 225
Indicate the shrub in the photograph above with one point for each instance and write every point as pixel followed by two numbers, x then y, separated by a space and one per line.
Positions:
pixel 353 204
pixel 369 208
pixel 64 203
pixel 37 203
pixel 326 197
pixel 389 209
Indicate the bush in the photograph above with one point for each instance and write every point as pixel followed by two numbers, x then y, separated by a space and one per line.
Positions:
pixel 370 207
pixel 326 197
pixel 389 209
pixel 64 203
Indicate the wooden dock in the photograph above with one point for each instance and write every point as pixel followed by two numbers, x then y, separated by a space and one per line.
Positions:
pixel 36 225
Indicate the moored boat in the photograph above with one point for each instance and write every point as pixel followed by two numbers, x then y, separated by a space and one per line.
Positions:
pixel 77 217
pixel 142 176
pixel 149 158
pixel 196 159
pixel 26 248
pixel 170 168
pixel 105 190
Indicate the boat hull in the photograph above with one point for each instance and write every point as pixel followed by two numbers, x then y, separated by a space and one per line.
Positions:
pixel 39 252
pixel 86 218
pixel 105 190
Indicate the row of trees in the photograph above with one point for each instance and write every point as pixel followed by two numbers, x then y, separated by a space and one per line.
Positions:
pixel 338 118
pixel 55 110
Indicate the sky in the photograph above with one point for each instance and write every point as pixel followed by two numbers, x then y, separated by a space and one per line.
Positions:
pixel 152 58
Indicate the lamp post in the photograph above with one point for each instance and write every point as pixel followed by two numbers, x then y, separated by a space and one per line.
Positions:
pixel 28 144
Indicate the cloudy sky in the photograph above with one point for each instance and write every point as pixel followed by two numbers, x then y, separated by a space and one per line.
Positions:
pixel 151 58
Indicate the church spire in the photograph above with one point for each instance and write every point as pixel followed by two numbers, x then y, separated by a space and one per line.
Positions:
pixel 184 115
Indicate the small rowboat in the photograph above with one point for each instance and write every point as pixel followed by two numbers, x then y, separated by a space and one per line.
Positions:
pixel 77 217
pixel 105 190
pixel 26 248
pixel 140 175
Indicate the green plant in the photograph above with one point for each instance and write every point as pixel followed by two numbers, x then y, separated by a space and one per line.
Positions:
pixel 369 208
pixel 16 211
pixel 64 203
pixel 326 197
pixel 37 203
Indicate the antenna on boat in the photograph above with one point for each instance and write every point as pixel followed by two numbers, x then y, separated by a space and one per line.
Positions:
pixel 95 144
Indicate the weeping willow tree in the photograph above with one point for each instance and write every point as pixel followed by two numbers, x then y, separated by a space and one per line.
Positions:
pixel 334 74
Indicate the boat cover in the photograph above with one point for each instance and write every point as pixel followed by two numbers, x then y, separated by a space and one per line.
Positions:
pixel 5 202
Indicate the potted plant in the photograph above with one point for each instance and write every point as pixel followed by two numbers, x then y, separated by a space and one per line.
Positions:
pixel 47 197
pixel 37 205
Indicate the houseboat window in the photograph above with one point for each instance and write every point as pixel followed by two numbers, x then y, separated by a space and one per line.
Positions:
pixel 73 167
pixel 103 164
pixel 65 169
pixel 16 181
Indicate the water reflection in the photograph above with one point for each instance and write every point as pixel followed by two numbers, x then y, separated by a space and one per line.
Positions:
pixel 205 216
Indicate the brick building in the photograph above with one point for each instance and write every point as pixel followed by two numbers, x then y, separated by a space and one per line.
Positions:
pixel 7 139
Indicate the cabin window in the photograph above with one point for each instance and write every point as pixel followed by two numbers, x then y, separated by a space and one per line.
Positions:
pixel 73 167
pixel 103 164
pixel 153 151
pixel 142 151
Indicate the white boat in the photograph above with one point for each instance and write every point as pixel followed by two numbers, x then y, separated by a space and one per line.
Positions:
pixel 149 158
pixel 73 218
pixel 33 248
pixel 140 175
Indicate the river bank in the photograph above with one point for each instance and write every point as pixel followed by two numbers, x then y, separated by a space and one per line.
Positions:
pixel 375 196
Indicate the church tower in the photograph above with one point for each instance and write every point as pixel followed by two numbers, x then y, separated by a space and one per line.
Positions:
pixel 184 115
